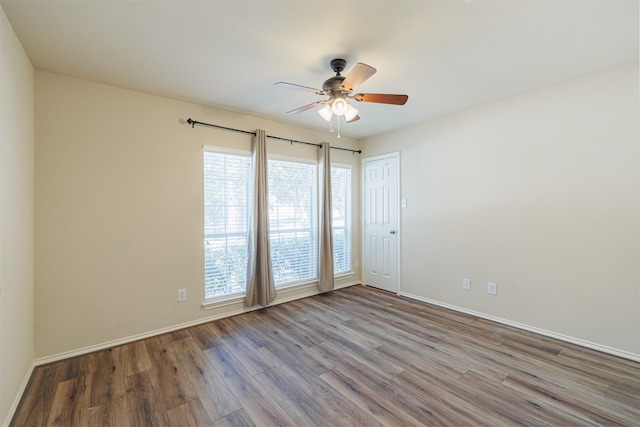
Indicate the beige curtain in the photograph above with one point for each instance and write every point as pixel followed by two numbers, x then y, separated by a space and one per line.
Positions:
pixel 325 258
pixel 260 286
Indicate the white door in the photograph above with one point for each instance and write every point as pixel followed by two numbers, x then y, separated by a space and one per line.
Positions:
pixel 381 222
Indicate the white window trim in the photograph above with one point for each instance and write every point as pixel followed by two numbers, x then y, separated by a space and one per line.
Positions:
pixel 227 300
pixel 341 165
pixel 293 159
pixel 223 301
pixel 225 150
pixel 344 275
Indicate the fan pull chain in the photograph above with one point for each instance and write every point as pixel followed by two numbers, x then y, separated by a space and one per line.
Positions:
pixel 338 127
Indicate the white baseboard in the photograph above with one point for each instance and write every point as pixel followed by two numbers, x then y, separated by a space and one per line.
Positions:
pixel 577 341
pixel 311 291
pixel 18 397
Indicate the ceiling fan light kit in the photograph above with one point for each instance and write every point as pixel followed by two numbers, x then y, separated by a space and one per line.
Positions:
pixel 350 114
pixel 326 112
pixel 340 88
pixel 339 107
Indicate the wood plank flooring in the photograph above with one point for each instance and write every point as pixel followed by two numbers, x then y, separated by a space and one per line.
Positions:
pixel 351 357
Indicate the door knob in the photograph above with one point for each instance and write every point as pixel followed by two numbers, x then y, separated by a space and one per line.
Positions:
pixel 392 232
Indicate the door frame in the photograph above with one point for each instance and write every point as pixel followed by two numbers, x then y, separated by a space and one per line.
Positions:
pixel 395 154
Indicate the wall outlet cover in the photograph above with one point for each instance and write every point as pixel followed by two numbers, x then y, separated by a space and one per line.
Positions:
pixel 492 288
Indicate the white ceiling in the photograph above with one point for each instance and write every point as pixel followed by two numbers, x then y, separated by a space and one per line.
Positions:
pixel 446 55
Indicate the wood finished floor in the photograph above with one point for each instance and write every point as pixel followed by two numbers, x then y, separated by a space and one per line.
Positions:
pixel 352 357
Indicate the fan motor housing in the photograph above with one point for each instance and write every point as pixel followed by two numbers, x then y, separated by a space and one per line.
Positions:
pixel 333 85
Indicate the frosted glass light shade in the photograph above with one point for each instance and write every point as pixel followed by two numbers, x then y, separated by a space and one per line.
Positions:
pixel 351 113
pixel 339 107
pixel 326 112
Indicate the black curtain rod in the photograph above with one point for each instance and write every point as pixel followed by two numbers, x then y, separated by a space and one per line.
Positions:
pixel 193 123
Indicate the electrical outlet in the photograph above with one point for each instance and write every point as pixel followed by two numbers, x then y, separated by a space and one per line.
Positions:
pixel 466 283
pixel 357 263
pixel 492 288
pixel 182 295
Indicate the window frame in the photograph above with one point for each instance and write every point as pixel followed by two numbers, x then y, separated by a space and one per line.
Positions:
pixel 314 221
pixel 234 298
pixel 348 227
pixel 230 297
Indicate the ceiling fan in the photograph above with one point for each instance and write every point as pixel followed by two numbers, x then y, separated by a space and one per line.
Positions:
pixel 340 88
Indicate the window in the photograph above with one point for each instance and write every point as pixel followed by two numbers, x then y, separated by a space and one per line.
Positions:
pixel 293 221
pixel 227 192
pixel 341 218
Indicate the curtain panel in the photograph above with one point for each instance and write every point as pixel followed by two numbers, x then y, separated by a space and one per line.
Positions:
pixel 325 253
pixel 261 288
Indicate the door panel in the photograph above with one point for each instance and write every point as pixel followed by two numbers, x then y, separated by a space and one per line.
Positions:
pixel 381 222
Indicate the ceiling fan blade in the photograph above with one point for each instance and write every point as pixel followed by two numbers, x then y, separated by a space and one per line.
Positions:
pixel 381 98
pixel 356 117
pixel 357 76
pixel 304 108
pixel 299 87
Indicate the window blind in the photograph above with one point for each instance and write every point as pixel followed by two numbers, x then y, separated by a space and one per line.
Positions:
pixel 227 191
pixel 341 218
pixel 293 221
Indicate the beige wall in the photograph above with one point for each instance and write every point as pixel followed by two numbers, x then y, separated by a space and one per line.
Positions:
pixel 119 209
pixel 16 218
pixel 539 193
